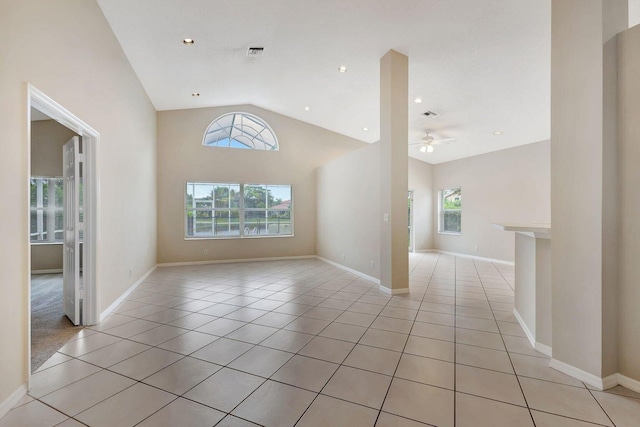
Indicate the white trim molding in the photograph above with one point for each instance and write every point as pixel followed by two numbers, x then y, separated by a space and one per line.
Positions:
pixel 50 271
pixel 525 328
pixel 630 383
pixel 542 348
pixel 11 401
pixel 579 374
pixel 350 270
pixel 126 293
pixel 398 291
pixel 230 261
pixel 461 255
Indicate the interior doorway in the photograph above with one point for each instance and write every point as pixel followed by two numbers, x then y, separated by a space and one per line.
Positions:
pixel 410 209
pixel 62 213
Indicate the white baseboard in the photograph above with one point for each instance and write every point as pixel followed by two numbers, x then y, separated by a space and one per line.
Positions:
pixel 579 374
pixel 50 271
pixel 525 328
pixel 10 401
pixel 350 270
pixel 630 383
pixel 398 291
pixel 610 381
pixel 479 258
pixel 126 293
pixel 230 261
pixel 544 349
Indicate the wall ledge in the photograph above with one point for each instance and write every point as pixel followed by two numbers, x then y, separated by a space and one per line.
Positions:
pixel 14 398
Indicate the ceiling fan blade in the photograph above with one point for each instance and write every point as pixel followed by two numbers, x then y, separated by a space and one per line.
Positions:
pixel 443 141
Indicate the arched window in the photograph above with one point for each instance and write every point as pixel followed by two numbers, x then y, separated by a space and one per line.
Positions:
pixel 240 130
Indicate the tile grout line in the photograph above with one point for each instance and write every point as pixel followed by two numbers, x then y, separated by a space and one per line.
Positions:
pixel 505 346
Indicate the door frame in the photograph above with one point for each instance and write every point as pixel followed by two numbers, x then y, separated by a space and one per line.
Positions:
pixel 40 101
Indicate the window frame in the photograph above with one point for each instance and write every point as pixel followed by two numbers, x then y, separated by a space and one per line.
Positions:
pixel 252 117
pixel 241 212
pixel 442 210
pixel 49 210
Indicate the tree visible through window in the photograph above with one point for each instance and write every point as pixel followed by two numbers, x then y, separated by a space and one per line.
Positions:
pixel 451 210
pixel 240 130
pixel 47 221
pixel 237 210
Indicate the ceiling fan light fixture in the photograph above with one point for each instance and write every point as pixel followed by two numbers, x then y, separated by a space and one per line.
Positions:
pixel 423 149
pixel 342 69
pixel 418 100
pixel 429 148
pixel 188 42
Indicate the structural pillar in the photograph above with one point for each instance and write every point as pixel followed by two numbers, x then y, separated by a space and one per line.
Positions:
pixel 394 170
pixel 584 186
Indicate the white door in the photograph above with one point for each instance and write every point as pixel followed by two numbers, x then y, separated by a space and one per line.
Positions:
pixel 72 159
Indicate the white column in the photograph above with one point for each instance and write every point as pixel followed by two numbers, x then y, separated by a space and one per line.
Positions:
pixel 583 185
pixel 394 129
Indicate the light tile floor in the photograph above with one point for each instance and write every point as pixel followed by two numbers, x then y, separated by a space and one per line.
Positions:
pixel 303 343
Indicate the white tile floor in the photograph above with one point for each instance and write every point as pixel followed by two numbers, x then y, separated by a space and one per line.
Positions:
pixel 303 343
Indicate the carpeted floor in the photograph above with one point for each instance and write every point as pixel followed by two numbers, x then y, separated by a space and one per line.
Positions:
pixel 50 328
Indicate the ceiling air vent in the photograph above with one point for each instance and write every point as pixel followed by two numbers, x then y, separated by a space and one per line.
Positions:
pixel 255 51
pixel 431 114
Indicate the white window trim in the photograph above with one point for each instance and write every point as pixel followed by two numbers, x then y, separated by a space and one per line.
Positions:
pixel 441 211
pixel 241 210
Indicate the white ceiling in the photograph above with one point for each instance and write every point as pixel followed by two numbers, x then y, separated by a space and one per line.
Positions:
pixel 483 65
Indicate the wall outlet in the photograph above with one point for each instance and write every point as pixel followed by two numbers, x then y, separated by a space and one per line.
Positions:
pixel 204 251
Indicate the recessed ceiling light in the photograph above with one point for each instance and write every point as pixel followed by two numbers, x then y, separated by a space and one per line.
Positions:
pixel 195 94
pixel 418 100
pixel 307 108
pixel 365 129
pixel 498 132
pixel 342 69
pixel 188 42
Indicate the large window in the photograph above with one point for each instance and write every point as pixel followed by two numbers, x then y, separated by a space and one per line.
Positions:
pixel 219 210
pixel 450 211
pixel 47 222
pixel 240 130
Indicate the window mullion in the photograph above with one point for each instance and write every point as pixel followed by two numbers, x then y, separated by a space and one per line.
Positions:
pixel 241 212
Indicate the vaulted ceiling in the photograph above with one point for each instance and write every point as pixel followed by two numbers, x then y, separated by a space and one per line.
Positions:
pixel 482 65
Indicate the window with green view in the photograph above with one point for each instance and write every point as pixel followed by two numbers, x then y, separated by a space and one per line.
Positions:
pixel 450 219
pixel 228 210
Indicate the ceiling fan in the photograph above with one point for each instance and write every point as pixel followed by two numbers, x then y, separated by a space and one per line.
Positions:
pixel 428 141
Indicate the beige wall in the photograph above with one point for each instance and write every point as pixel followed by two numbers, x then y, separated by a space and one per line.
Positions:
pixel 504 186
pixel 182 158
pixel 629 197
pixel 348 210
pixel 67 50
pixel 47 139
pixel 421 182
